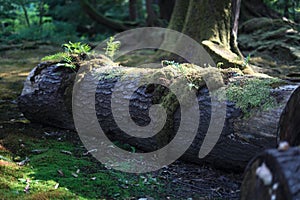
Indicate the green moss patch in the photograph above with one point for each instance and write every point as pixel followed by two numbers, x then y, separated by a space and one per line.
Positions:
pixel 252 93
pixel 60 170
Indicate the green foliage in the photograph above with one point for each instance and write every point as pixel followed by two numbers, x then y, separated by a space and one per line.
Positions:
pixel 77 48
pixel 54 21
pixel 60 56
pixel 252 93
pixel 32 20
pixel 72 51
pixel 112 47
pixel 169 62
pixel 288 8
pixel 246 60
pixel 220 65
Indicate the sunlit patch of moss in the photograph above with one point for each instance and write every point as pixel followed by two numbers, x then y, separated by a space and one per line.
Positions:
pixel 13 181
pixel 92 180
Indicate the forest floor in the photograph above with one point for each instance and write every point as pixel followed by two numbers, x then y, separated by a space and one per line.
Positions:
pixel 40 162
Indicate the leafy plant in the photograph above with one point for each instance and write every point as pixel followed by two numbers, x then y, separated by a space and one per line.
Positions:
pixel 220 65
pixel 72 53
pixel 246 60
pixel 60 56
pixel 112 47
pixel 168 62
pixel 77 48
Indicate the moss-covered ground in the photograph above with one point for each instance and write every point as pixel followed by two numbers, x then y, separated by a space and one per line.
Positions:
pixel 59 169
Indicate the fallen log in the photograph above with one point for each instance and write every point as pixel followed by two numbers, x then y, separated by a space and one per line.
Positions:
pixel 274 174
pixel 289 124
pixel 47 99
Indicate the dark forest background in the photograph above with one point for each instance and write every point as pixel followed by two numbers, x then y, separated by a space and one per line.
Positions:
pixel 58 21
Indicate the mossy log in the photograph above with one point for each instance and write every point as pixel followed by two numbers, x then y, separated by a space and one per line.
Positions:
pixel 274 174
pixel 47 99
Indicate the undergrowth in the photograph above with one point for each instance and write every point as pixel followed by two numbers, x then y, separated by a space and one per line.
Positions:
pixel 73 53
pixel 112 47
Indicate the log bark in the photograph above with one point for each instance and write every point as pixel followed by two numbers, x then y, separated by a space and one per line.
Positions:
pixel 289 125
pixel 282 176
pixel 47 98
pixel 166 9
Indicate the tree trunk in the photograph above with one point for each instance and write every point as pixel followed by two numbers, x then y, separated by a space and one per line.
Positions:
pixel 25 14
pixel 41 13
pixel 166 9
pixel 214 25
pixel 179 15
pixel 151 16
pixel 98 17
pixel 236 5
pixel 273 174
pixel 286 9
pixel 47 97
pixel 132 10
pixel 176 23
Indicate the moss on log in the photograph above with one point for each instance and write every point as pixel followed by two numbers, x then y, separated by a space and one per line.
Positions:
pixel 46 98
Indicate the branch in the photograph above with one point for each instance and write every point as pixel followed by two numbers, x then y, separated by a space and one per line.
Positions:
pixel 101 19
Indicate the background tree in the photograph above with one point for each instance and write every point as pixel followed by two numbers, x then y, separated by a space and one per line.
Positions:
pixel 132 10
pixel 213 24
pixel 257 8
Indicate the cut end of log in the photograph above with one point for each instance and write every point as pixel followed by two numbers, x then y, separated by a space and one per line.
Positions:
pixel 289 125
pixel 274 174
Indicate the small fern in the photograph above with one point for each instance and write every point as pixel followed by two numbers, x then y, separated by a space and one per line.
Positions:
pixel 60 56
pixel 112 47
pixel 76 48
pixel 71 52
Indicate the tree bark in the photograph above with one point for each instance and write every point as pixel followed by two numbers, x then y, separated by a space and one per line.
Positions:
pixel 132 10
pixel 214 25
pixel 166 9
pixel 98 17
pixel 236 5
pixel 284 181
pixel 25 13
pixel 151 16
pixel 179 14
pixel 41 13
pixel 47 97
